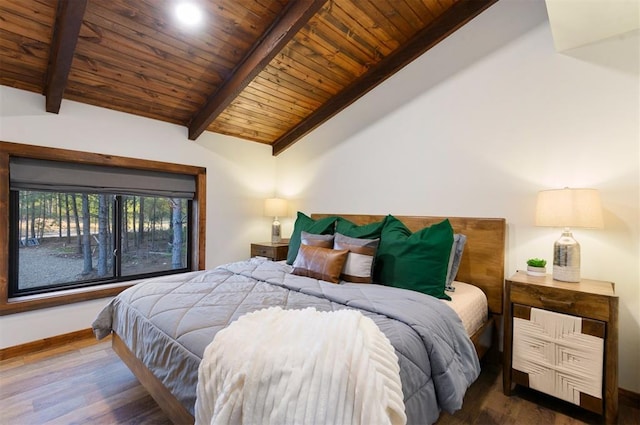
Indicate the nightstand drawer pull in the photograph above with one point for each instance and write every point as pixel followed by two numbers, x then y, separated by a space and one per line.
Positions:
pixel 556 303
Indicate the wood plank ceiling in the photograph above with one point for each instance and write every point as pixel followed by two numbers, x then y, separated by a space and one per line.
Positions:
pixel 268 71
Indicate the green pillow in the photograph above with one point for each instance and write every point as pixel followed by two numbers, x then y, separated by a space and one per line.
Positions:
pixel 324 226
pixel 366 231
pixel 418 261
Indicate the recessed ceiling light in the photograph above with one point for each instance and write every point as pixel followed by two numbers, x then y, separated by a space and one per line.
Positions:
pixel 188 14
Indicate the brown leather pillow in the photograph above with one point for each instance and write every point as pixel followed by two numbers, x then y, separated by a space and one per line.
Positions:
pixel 311 239
pixel 320 263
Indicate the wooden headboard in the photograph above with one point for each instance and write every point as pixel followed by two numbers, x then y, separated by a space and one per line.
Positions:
pixel 483 258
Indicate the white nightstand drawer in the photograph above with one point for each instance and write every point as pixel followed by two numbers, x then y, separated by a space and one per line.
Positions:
pixel 557 357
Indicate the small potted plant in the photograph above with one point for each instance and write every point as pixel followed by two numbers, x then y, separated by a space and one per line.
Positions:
pixel 536 267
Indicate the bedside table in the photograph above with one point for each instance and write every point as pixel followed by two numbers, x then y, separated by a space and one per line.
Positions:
pixel 561 338
pixel 273 251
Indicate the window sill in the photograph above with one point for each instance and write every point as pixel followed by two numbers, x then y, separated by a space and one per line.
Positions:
pixel 53 299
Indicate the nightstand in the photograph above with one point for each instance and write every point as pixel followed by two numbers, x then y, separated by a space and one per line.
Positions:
pixel 272 251
pixel 561 338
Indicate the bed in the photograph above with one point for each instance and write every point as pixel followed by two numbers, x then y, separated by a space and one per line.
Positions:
pixel 163 356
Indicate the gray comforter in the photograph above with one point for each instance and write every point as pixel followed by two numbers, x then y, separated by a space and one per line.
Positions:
pixel 167 322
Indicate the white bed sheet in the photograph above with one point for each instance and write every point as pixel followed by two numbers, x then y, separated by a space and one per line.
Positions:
pixel 471 305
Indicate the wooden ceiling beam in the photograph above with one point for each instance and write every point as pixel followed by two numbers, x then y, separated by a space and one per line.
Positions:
pixel 294 17
pixel 63 44
pixel 454 18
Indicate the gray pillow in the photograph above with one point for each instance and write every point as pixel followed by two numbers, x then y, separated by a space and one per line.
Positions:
pixel 359 265
pixel 455 257
pixel 312 239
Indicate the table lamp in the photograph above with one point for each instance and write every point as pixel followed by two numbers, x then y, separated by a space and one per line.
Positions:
pixel 275 207
pixel 568 208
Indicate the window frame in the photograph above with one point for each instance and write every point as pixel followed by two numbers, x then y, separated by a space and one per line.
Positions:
pixel 34 302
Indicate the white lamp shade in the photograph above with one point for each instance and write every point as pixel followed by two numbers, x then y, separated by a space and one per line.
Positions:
pixel 275 207
pixel 569 208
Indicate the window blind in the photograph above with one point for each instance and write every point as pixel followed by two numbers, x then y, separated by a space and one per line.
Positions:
pixel 43 175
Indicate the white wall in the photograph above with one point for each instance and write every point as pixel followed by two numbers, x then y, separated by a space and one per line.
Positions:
pixel 484 139
pixel 239 176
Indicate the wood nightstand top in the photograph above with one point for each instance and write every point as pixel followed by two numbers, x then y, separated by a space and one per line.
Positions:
pixel 597 287
pixel 284 242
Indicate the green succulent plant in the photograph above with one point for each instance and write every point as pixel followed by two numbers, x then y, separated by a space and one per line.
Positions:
pixel 536 262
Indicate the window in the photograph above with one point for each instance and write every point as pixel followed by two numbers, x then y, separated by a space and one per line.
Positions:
pixel 69 240
pixel 76 227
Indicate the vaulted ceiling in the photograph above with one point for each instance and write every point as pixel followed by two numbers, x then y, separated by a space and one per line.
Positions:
pixel 268 71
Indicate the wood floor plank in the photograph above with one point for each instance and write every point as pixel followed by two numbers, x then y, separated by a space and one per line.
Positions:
pixel 85 382
pixel 14 413
pixel 114 409
pixel 32 376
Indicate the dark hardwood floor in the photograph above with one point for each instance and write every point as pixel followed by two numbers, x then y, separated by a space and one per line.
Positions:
pixel 86 383
pixel 82 383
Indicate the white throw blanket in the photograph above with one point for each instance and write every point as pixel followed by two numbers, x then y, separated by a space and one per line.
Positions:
pixel 277 366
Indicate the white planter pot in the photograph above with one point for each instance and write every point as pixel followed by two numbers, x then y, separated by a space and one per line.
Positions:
pixel 536 271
